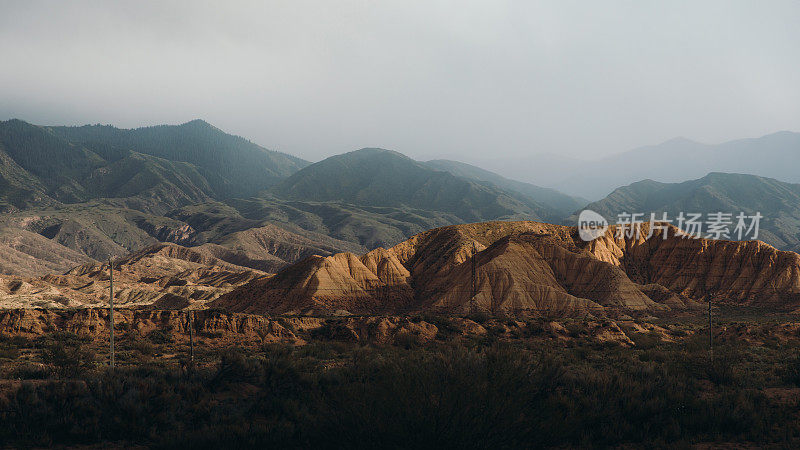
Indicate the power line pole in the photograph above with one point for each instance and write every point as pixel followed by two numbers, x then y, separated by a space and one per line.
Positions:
pixel 472 306
pixel 111 305
pixel 191 337
pixel 710 329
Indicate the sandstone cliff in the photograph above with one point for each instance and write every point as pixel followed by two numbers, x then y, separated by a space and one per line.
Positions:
pixel 527 268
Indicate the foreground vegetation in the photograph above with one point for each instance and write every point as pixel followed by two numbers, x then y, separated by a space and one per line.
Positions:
pixel 456 391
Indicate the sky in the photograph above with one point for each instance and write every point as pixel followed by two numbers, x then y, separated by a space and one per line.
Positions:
pixel 462 80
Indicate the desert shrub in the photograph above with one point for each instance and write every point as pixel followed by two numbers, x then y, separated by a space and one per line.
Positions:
pixel 678 332
pixel 8 351
pixel 30 371
pixel 534 328
pixel 210 334
pixel 478 341
pixel 408 340
pixel 697 343
pixel 320 350
pixel 450 397
pixel 160 336
pixel 68 360
pixel 720 368
pixel 235 366
pixel 654 354
pixel 277 348
pixel 60 337
pixel 645 341
pixel 789 370
pixel 142 346
pixel 134 342
pixel 479 317
pixel 15 341
pixel 454 394
pixel 576 329
pixel 495 329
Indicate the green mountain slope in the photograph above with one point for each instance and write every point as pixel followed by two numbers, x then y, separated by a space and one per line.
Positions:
pixel 100 192
pixel 377 177
pixel 562 203
pixel 118 192
pixel 777 201
pixel 18 188
pixel 49 163
pixel 40 169
pixel 370 227
pixel 155 169
pixel 89 193
pixel 159 185
pixel 233 166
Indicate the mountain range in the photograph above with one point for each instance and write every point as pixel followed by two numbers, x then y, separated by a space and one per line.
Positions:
pixel 776 201
pixel 500 268
pixel 101 191
pixel 154 169
pixel 378 177
pixel 559 203
pixel 527 268
pixel 775 155
pixel 194 216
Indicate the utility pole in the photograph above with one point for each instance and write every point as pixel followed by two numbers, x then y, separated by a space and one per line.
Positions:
pixel 111 305
pixel 472 307
pixel 191 336
pixel 710 329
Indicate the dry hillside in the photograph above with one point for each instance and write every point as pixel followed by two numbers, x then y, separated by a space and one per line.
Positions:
pixel 527 268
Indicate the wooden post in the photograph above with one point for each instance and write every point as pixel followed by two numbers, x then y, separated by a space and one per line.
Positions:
pixel 191 336
pixel 710 330
pixel 111 306
pixel 473 308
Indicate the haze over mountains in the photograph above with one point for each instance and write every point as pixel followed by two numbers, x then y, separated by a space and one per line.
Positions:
pixel 775 155
pixel 195 216
pixel 560 203
pixel 98 191
pixel 73 195
pixel 231 165
pixel 377 177
pixel 161 167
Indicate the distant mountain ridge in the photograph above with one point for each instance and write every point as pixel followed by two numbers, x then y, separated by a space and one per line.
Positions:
pixel 233 166
pixel 166 166
pixel 777 201
pixel 72 195
pixel 775 155
pixel 94 192
pixel 378 177
pixel 562 203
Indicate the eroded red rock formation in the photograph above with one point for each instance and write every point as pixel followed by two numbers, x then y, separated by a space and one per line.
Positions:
pixel 526 268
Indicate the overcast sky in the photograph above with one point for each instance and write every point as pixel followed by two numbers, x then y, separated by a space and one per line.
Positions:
pixel 427 78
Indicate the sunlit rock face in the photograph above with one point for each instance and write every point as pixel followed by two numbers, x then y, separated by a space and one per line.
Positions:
pixel 528 268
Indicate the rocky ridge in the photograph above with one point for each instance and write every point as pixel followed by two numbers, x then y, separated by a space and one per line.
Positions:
pixel 525 268
pixel 162 276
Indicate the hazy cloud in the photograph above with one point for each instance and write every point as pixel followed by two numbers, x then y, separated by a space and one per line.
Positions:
pixel 429 79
